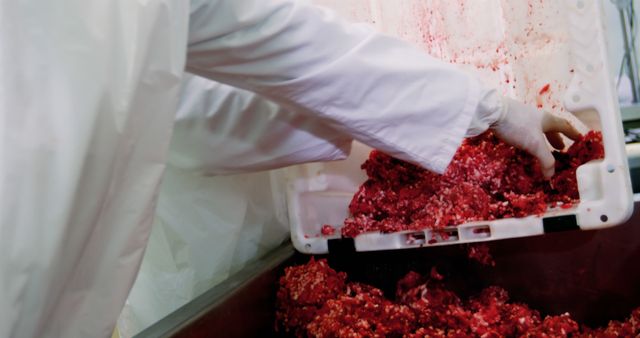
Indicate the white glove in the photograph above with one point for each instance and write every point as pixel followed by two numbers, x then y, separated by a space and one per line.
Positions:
pixel 523 126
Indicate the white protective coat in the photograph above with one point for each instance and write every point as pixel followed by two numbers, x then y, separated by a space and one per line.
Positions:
pixel 88 97
pixel 220 129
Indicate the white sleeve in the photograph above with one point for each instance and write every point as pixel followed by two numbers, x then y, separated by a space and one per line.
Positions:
pixel 212 134
pixel 380 90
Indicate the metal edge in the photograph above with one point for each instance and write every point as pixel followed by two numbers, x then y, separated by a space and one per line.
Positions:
pixel 633 155
pixel 198 307
pixel 630 112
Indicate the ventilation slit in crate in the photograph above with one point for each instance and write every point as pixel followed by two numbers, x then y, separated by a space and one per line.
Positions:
pixel 416 238
pixel 444 235
pixel 483 231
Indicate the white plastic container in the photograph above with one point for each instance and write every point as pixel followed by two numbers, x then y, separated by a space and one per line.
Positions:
pixel 520 47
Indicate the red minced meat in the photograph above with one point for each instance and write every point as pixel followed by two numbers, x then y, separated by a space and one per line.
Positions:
pixel 479 252
pixel 494 316
pixel 304 290
pixel 361 312
pixel 628 328
pixel 486 180
pixel 436 307
pixel 316 301
pixel 555 326
pixel 327 230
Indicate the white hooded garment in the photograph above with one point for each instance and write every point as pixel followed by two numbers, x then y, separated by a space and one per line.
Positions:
pixel 88 99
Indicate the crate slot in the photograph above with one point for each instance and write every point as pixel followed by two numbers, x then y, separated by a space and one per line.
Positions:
pixel 416 238
pixel 443 236
pixel 477 232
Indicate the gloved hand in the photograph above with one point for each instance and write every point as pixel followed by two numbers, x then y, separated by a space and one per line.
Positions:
pixel 524 127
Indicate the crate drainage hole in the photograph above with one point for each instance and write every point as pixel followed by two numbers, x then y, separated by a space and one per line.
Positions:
pixel 483 231
pixel 416 238
pixel 443 236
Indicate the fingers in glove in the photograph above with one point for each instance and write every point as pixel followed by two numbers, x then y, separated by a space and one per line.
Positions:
pixel 547 162
pixel 539 149
pixel 552 123
pixel 555 140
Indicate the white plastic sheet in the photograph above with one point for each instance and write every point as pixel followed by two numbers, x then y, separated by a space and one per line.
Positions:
pixel 206 228
pixel 87 96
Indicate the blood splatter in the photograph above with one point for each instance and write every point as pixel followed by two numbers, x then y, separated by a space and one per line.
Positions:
pixel 544 89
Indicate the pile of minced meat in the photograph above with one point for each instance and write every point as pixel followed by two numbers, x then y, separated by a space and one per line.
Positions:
pixel 486 180
pixel 316 301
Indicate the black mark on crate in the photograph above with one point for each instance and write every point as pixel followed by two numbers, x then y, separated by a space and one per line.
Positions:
pixel 341 246
pixel 560 223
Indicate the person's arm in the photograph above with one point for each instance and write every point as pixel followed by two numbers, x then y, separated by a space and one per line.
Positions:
pixel 380 90
pixel 220 129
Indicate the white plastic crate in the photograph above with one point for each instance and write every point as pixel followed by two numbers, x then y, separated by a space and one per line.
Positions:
pixel 519 47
